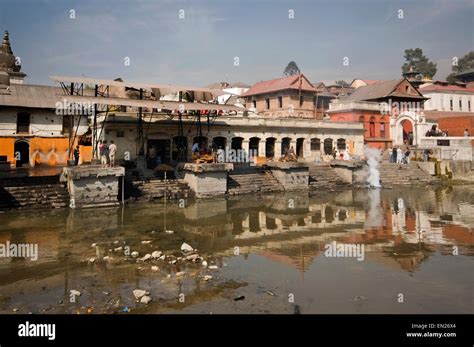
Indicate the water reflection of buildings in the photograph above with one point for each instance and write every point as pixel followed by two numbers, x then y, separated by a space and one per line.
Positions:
pixel 399 228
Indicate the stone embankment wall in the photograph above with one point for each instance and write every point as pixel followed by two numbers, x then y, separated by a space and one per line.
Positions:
pixel 33 193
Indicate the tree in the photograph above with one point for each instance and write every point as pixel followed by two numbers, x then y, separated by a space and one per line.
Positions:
pixel 463 64
pixel 291 69
pixel 415 59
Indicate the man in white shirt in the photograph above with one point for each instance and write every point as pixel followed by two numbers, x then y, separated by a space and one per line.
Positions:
pixel 112 152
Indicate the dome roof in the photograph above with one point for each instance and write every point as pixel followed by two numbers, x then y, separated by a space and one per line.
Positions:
pixel 7 59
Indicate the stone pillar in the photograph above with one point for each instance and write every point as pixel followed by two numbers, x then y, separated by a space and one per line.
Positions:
pixel 262 221
pixel 277 149
pixel 261 148
pixel 246 146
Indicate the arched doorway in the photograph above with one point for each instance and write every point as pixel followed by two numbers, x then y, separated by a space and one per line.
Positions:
pixel 285 145
pixel 236 143
pixel 22 153
pixel 372 127
pixel 179 149
pixel 341 144
pixel 300 147
pixel 220 142
pixel 253 145
pixel 407 132
pixel 270 147
pixel 328 146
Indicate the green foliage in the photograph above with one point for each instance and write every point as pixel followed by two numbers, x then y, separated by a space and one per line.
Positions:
pixel 463 64
pixel 415 59
pixel 291 69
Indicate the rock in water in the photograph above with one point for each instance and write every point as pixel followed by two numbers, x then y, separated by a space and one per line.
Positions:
pixel 135 254
pixel 192 257
pixel 204 263
pixel 213 267
pixel 207 277
pixel 146 257
pixel 186 248
pixel 154 268
pixel 156 254
pixel 146 242
pixel 179 274
pixel 145 299
pixel 169 231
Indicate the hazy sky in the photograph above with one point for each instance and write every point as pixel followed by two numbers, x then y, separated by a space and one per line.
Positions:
pixel 201 48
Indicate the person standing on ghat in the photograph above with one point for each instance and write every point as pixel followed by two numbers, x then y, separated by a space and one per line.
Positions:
pixel 104 153
pixel 399 155
pixel 112 152
pixel 76 156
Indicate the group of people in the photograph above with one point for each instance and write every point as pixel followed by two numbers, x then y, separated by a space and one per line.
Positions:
pixel 107 153
pixel 341 154
pixel 399 156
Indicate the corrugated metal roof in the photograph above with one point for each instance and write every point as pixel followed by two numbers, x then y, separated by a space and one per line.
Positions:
pixel 167 87
pixel 27 95
pixel 158 104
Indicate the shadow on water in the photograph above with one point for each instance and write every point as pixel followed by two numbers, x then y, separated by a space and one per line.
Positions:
pixel 270 249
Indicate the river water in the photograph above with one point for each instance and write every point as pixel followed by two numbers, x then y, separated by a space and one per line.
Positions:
pixel 266 254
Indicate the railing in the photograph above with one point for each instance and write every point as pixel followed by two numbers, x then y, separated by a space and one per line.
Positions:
pixel 355 105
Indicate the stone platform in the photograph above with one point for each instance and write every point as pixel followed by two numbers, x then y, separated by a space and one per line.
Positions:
pixel 207 180
pixel 291 175
pixel 93 186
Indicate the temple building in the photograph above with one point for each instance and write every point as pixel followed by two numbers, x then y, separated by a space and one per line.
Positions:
pixel 34 128
pixel 391 112
pixel 278 114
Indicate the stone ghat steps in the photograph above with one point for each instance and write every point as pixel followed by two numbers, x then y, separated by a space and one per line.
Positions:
pixel 251 181
pixel 155 189
pixel 33 196
pixel 399 174
pixel 323 176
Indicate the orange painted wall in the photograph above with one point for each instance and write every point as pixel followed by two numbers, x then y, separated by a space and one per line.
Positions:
pixel 7 147
pixel 49 151
pixel 85 154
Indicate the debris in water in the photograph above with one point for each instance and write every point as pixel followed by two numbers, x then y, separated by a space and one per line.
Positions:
pixel 169 231
pixel 139 293
pixel 204 263
pixel 146 242
pixel 125 309
pixel 179 274
pixel 186 248
pixel 118 249
pixel 192 257
pixel 135 254
pixel 207 277
pixel 156 254
pixel 239 298
pixel 75 292
pixel 359 298
pixel 146 257
pixel 269 292
pixel 145 299
pixel 213 267
pixel 155 268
